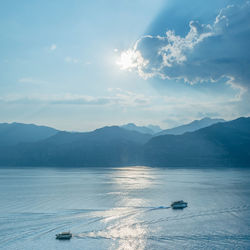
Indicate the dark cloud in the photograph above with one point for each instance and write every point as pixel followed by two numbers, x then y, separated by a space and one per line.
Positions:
pixel 208 52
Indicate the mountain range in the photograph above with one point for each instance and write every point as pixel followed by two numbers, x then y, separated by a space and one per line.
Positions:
pixel 221 144
pixel 190 127
pixel 150 129
pixel 14 133
pixel 108 146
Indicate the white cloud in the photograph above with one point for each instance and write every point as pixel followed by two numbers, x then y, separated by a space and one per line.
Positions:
pixel 206 53
pixel 127 98
pixel 117 97
pixel 177 48
pixel 55 99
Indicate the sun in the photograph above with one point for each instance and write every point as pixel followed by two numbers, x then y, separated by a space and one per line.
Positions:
pixel 127 60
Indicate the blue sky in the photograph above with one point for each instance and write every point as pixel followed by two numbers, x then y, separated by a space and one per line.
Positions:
pixel 80 65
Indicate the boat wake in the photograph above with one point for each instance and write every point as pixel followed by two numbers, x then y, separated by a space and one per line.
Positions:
pixel 120 223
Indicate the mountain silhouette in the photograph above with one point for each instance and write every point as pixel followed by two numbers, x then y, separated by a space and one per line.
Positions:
pixel 190 127
pixel 224 144
pixel 150 129
pixel 108 146
pixel 221 144
pixel 14 133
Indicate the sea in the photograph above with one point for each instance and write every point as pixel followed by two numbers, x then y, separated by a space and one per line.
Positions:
pixel 124 208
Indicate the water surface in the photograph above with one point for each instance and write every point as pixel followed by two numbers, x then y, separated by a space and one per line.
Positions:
pixel 124 208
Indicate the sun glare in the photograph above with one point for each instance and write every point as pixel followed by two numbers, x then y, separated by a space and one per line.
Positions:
pixel 127 60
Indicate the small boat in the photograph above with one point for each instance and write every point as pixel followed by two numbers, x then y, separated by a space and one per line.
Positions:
pixel 179 204
pixel 64 236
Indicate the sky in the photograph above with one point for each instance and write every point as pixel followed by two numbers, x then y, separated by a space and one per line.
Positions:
pixel 80 65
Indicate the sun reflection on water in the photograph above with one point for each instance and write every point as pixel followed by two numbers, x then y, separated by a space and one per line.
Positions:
pixel 123 222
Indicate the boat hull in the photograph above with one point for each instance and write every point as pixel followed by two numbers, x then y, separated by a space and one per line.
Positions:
pixel 179 206
pixel 63 237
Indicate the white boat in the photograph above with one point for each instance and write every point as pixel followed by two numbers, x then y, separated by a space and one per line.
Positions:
pixel 179 204
pixel 64 236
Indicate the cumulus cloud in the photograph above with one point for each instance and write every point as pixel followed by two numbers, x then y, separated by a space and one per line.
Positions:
pixel 208 52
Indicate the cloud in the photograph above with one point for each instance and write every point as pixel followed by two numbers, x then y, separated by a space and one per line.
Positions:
pixel 173 122
pixel 208 114
pixel 127 98
pixel 53 47
pixel 118 97
pixel 55 99
pixel 208 52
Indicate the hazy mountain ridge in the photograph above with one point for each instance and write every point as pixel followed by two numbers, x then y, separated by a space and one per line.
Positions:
pixel 190 127
pixel 150 129
pixel 14 133
pixel 225 143
pixel 108 146
pixel 221 144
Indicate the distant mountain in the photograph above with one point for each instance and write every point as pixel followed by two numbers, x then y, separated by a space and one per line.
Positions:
pixel 190 127
pixel 108 146
pixel 14 133
pixel 154 128
pixel 222 144
pixel 150 129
